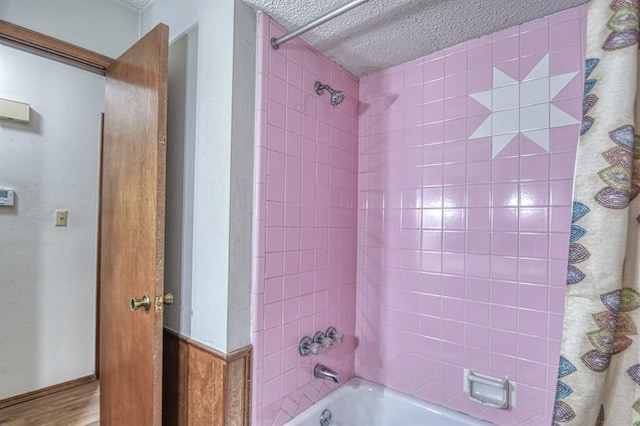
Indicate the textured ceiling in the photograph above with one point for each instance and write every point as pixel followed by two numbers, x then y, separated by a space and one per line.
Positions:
pixel 135 4
pixel 383 33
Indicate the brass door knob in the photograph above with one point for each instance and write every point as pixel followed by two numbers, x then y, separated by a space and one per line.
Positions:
pixel 145 303
pixel 167 299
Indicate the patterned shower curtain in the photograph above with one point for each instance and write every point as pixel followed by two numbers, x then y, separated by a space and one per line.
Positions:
pixel 599 375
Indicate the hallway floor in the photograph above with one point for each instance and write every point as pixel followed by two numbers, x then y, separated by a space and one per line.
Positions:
pixel 79 406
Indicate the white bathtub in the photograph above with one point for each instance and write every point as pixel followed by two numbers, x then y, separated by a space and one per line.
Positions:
pixel 362 403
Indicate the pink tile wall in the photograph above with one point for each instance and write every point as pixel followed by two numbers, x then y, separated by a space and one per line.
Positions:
pixel 304 225
pixel 462 252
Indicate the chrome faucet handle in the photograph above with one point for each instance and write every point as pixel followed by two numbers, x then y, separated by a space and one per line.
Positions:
pixel 324 340
pixel 325 418
pixel 333 334
pixel 308 346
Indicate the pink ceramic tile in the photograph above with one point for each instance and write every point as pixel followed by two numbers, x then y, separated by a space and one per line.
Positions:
pixel 564 138
pixel 478 265
pixel 453 196
pixel 413 76
pixel 454 174
pixel 453 263
pixel 433 112
pixel 432 219
pixel 276 116
pixel 574 89
pixel 277 64
pixel 566 15
pixel 478 195
pixel 510 67
pixel 455 86
pixel 479 314
pixel 533 296
pixel 534 167
pixel 528 63
pixel 453 219
pixel 431 261
pixel 532 348
pixel 453 241
pixel 504 317
pixel 455 129
pixel 504 268
pixel 503 342
pixel 480 56
pixel 431 240
pixel 455 108
pixel 505 170
pixel 504 243
pixel 560 219
pixel 506 49
pixel 433 91
pixel 479 219
pixel 455 63
pixel 392 174
pixel 478 171
pixel 505 219
pixel 477 289
pixel 478 242
pixel 534 245
pixel 272 316
pixel 534 42
pixel 275 189
pixel 534 193
pixel 558 272
pixel 532 322
pixel 505 194
pixel 432 197
pixel 408 98
pixel 433 69
pixel 566 59
pixel 453 328
pixel 413 116
pixel 534 219
pixel 275 138
pixel 534 25
pixel 432 154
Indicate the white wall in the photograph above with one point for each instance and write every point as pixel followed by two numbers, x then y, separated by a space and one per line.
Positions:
pixel 47 273
pixel 223 169
pixel 221 65
pixel 103 26
pixel 180 164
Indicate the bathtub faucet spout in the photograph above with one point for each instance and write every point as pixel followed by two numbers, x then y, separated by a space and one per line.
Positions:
pixel 322 372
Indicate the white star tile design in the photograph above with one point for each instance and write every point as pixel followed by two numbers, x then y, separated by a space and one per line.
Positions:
pixel 523 107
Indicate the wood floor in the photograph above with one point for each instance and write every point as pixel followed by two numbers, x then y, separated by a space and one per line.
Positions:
pixel 79 406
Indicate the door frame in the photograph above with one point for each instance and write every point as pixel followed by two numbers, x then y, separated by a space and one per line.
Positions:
pixel 43 45
pixel 50 47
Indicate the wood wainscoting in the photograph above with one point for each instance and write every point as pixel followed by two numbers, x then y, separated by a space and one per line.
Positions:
pixel 202 386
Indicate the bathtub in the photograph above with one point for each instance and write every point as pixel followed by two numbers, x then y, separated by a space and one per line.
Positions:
pixel 362 403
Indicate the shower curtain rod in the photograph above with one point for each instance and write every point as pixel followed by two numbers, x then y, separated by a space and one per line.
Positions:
pixel 276 42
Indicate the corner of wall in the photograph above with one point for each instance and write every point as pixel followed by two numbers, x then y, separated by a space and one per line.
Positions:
pixel 241 194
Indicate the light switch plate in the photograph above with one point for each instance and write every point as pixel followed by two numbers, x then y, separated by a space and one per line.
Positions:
pixel 61 217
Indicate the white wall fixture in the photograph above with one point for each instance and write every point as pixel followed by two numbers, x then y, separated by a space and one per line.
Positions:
pixel 6 197
pixel 12 110
pixel 496 392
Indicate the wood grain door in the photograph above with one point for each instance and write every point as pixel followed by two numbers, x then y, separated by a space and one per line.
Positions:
pixel 132 234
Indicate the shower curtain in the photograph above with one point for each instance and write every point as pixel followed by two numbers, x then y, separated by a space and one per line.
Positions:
pixel 599 374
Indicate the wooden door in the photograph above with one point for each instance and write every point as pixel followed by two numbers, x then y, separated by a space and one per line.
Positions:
pixel 132 234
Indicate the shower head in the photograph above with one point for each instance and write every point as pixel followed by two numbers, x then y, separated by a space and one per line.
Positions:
pixel 337 96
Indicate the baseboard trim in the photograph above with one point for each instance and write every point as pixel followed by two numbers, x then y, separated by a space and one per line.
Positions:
pixel 204 386
pixel 46 391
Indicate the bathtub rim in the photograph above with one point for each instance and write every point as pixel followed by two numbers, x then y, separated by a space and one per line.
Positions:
pixel 355 383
